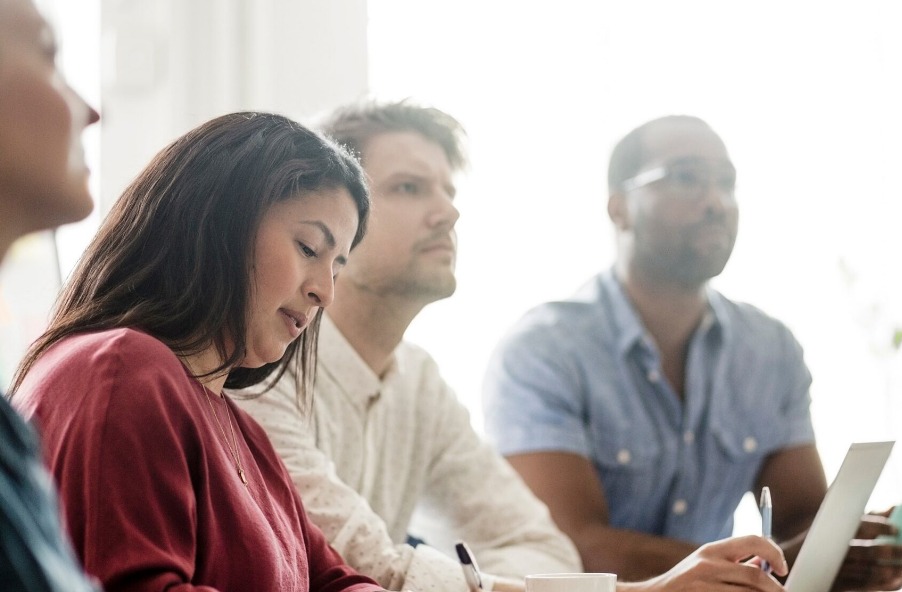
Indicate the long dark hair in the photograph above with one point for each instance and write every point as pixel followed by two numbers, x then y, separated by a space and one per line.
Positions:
pixel 173 257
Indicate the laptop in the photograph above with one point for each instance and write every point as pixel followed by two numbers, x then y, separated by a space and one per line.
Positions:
pixel 837 519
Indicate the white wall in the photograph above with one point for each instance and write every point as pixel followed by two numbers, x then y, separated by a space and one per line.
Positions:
pixel 806 95
pixel 172 64
pixel 157 68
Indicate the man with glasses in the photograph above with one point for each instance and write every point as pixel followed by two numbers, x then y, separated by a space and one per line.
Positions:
pixel 645 407
pixel 386 434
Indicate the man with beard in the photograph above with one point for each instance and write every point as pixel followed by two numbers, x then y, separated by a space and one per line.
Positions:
pixel 387 435
pixel 642 409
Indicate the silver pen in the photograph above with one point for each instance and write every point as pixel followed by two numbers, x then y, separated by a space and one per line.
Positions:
pixel 767 509
pixel 468 564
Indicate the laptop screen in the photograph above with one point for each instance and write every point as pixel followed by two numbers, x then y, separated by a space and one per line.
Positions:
pixel 838 518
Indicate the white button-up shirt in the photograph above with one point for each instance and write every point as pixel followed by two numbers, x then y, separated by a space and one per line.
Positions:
pixel 376 450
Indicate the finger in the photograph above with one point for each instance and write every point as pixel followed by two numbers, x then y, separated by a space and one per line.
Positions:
pixel 738 548
pixel 872 566
pixel 747 576
pixel 874 525
pixel 885 513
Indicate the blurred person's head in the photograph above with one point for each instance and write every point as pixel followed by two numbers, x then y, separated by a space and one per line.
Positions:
pixel 353 125
pixel 43 176
pixel 672 200
pixel 410 154
pixel 226 244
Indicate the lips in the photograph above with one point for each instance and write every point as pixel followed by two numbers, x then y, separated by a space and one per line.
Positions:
pixel 439 245
pixel 296 321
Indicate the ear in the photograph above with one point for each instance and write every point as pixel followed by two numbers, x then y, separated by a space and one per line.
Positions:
pixel 618 211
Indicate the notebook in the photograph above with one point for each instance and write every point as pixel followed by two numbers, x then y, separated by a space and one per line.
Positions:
pixel 837 519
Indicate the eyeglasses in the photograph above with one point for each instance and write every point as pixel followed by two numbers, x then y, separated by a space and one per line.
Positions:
pixel 686 180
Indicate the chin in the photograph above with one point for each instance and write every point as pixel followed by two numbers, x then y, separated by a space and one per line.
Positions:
pixel 77 206
pixel 444 286
pixel 256 359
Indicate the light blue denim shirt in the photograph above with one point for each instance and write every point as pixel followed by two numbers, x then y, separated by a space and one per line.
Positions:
pixel 583 376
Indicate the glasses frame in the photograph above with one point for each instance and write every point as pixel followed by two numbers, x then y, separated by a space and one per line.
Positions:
pixel 645 178
pixel 661 172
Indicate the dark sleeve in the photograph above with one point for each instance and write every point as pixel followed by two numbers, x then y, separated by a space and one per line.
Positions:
pixel 34 553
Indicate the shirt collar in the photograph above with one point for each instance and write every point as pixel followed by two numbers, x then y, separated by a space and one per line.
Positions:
pixel 717 318
pixel 338 359
pixel 629 327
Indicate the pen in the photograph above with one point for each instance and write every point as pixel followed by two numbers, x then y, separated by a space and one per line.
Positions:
pixel 767 509
pixel 468 564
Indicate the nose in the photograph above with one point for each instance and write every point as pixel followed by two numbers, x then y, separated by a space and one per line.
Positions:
pixel 716 199
pixel 445 213
pixel 319 286
pixel 93 115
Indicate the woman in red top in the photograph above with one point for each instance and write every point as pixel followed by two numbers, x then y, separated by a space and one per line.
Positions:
pixel 211 270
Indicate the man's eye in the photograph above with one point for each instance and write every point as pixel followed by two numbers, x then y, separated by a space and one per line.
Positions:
pixel 687 178
pixel 408 187
pixel 307 251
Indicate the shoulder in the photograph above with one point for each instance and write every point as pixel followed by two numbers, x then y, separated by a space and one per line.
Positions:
pixel 748 322
pixel 411 354
pixel 584 312
pixel 130 346
pixel 554 327
pixel 417 370
pixel 106 365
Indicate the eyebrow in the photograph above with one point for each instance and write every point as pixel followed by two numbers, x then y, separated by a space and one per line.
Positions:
pixel 327 235
pixel 399 175
pixel 726 164
pixel 451 188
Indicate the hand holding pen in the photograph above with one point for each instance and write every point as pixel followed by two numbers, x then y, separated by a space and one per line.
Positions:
pixel 767 509
pixel 468 564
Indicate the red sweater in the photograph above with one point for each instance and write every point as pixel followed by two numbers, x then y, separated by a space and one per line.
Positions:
pixel 148 484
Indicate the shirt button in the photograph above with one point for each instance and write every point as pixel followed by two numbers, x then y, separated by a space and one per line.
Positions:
pixel 624 457
pixel 680 507
pixel 653 376
pixel 750 444
pixel 688 436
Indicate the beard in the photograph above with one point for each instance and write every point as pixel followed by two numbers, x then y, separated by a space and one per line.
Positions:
pixel 690 257
pixel 415 281
pixel 425 284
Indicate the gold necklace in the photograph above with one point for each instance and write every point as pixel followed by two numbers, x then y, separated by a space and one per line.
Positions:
pixel 233 445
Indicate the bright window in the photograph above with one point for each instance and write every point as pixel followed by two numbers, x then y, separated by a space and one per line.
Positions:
pixel 805 94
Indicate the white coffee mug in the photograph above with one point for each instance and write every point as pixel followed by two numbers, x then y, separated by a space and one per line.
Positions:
pixel 572 582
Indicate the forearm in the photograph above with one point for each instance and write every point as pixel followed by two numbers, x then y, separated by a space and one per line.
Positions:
pixel 631 555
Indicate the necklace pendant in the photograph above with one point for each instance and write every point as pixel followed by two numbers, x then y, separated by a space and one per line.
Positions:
pixel 241 474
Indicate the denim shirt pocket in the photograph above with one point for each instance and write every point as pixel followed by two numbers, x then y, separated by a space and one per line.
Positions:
pixel 629 463
pixel 739 452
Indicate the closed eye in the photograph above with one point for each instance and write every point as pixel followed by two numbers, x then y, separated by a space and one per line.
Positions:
pixel 307 251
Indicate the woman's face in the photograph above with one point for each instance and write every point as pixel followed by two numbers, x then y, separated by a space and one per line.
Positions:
pixel 301 245
pixel 43 176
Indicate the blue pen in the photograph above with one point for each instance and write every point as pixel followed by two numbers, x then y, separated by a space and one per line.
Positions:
pixel 468 563
pixel 767 509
